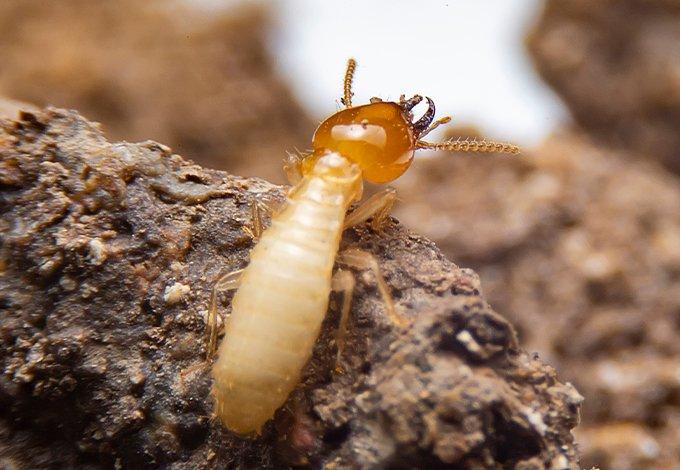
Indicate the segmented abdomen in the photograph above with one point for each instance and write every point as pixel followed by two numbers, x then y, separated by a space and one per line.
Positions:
pixel 278 310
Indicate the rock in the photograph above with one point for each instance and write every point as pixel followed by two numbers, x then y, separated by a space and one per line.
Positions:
pixel 616 64
pixel 579 247
pixel 99 369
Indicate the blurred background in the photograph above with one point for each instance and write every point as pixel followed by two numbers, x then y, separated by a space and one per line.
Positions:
pixel 577 241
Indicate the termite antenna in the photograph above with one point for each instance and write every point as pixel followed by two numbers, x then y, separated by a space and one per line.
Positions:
pixel 349 76
pixel 471 146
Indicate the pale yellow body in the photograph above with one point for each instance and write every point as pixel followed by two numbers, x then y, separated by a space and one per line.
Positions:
pixel 283 297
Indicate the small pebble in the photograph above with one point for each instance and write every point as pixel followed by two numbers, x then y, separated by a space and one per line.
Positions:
pixel 175 293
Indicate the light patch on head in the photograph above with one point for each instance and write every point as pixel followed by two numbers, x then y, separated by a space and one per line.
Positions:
pixel 369 133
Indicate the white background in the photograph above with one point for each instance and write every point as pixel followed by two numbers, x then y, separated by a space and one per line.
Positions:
pixel 467 55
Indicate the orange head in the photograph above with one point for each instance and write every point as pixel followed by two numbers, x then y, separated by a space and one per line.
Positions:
pixel 382 137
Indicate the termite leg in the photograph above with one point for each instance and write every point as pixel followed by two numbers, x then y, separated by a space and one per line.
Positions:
pixel 360 259
pixel 343 281
pixel 377 206
pixel 292 167
pixel 189 370
pixel 257 211
pixel 229 281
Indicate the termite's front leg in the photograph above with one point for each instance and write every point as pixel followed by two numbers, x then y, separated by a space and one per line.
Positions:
pixel 360 259
pixel 229 281
pixel 343 281
pixel 292 167
pixel 377 206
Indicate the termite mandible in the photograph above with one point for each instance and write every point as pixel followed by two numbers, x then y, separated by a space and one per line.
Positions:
pixel 282 295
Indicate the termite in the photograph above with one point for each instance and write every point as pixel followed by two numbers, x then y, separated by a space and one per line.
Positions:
pixel 282 295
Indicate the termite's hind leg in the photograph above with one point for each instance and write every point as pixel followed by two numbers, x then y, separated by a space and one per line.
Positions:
pixel 229 281
pixel 377 206
pixel 360 259
pixel 343 281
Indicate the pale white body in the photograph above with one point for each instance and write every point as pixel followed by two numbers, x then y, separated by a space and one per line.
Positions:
pixel 283 297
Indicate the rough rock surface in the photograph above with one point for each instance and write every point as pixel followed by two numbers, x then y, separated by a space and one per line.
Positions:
pixel 198 80
pixel 579 247
pixel 616 63
pixel 109 252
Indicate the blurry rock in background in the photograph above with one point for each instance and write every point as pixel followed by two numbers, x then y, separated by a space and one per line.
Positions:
pixel 580 248
pixel 616 64
pixel 574 241
pixel 198 81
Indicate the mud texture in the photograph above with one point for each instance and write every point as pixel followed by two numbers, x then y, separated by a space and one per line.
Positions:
pixel 198 80
pixel 109 252
pixel 616 65
pixel 579 247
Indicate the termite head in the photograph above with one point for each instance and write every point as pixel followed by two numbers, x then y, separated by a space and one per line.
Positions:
pixel 382 137
pixel 378 137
